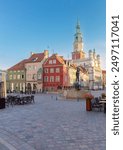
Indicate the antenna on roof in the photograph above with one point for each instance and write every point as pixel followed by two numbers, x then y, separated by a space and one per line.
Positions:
pixel 48 47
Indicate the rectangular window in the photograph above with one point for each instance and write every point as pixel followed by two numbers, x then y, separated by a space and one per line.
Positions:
pixel 54 61
pixel 18 76
pixel 51 78
pixel 57 70
pixel 57 78
pixel 51 70
pixel 29 67
pixel 34 77
pixel 45 79
pixel 10 76
pixel 50 61
pixel 22 76
pixel 14 76
pixel 34 67
pixel 46 70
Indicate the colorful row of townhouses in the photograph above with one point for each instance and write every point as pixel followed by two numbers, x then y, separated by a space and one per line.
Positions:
pixel 42 73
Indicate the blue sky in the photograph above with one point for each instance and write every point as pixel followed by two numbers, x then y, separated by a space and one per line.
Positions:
pixel 35 25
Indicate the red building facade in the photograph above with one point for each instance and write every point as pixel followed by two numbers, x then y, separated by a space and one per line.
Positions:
pixel 55 73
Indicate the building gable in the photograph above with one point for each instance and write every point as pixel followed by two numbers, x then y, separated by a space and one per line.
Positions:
pixel 54 60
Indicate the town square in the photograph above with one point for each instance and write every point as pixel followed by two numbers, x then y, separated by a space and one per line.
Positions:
pixel 50 124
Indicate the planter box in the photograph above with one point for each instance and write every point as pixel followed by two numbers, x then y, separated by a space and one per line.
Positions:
pixel 88 105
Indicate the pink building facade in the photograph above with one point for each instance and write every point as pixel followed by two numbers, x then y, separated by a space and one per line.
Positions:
pixel 34 71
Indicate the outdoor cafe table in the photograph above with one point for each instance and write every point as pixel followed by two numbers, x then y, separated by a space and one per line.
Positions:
pixel 103 101
pixel 21 99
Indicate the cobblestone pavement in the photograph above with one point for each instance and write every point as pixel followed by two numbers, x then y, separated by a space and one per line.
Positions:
pixel 52 124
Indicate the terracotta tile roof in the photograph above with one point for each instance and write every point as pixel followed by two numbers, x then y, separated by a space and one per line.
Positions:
pixel 38 57
pixel 19 66
pixel 60 59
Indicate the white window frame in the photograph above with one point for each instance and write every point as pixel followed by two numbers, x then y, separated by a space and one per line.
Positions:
pixel 45 78
pixel 51 70
pixel 57 70
pixel 10 77
pixel 29 67
pixel 14 76
pixel 46 70
pixel 54 61
pixel 57 79
pixel 50 62
pixel 18 76
pixel 51 78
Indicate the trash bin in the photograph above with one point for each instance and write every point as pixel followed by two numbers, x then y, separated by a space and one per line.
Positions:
pixel 2 103
pixel 88 105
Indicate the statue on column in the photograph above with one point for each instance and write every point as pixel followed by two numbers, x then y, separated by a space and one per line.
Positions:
pixel 77 75
pixel 77 84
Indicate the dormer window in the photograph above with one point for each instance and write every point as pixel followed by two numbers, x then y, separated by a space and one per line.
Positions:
pixel 34 59
pixel 54 61
pixel 50 61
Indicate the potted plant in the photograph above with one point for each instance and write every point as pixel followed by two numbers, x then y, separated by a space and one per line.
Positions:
pixel 88 97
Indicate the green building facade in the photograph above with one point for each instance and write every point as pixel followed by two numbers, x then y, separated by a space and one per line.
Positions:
pixel 16 78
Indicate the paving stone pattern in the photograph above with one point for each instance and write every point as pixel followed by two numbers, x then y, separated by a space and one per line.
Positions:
pixel 51 124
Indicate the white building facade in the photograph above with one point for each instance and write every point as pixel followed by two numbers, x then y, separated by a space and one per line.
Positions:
pixel 91 63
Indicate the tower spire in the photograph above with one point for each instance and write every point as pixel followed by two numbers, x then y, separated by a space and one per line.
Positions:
pixel 78 26
pixel 78 52
pixel 78 43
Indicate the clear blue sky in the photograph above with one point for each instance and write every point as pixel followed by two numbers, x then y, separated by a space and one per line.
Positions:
pixel 35 25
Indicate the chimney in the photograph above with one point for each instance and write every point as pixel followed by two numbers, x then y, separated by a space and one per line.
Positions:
pixel 31 53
